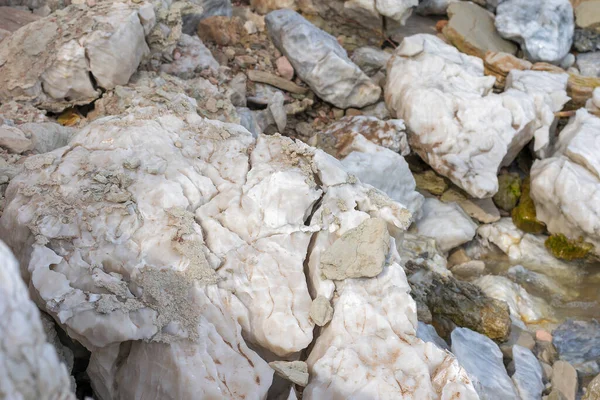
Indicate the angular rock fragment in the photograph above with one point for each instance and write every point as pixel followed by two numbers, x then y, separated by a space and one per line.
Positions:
pixel 589 64
pixel 500 64
pixel 564 380
pixel 564 186
pixel 320 61
pixel 470 132
pixel 294 371
pixel 321 311
pixel 427 333
pixel 528 374
pixel 370 59
pixel 543 28
pixel 103 51
pixel 509 191
pixel 29 366
pixel 482 359
pixel 447 223
pixel 471 29
pixel 193 56
pixel 577 343
pixel 360 252
pixel 482 210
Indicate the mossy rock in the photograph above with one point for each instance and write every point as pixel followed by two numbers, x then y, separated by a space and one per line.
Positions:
pixel 431 182
pixel 524 215
pixel 567 249
pixel 509 191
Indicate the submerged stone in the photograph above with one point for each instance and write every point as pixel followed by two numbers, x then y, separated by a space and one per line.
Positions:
pixel 524 215
pixel 567 249
pixel 509 191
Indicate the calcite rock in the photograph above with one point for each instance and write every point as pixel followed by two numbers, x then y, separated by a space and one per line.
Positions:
pixel 386 357
pixel 29 366
pixel 482 359
pixel 320 61
pixel 500 64
pixel 471 29
pixel 549 92
pixel 528 250
pixel 98 46
pixel 447 223
pixel 530 309
pixel 563 186
pixel 543 28
pixel 589 64
pixel 528 374
pixel 470 132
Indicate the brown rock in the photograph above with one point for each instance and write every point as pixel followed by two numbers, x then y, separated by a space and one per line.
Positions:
pixel 266 6
pixel 587 15
pixel 500 64
pixel 564 379
pixel 12 19
pixel 277 81
pixel 221 30
pixel 593 390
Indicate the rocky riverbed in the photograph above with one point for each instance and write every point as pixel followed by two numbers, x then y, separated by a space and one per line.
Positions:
pixel 300 199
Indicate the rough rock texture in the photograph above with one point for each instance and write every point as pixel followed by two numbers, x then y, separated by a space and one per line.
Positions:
pixel 29 366
pixel 471 29
pixel 528 374
pixel 589 64
pixel 454 121
pixel 209 8
pixel 373 330
pixel 320 61
pixel 586 40
pixel 447 223
pixel 460 302
pixel 321 311
pixel 482 359
pixel 500 64
pixel 370 59
pixel 549 92
pixel 543 28
pixel 359 253
pixel 509 191
pixel 564 187
pixel 528 308
pixel 577 343
pixel 593 389
pixel 295 371
pixel 98 46
pixel 527 249
pixel 191 56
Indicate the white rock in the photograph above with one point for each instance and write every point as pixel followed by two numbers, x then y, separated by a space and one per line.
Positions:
pixel 369 349
pixel 543 28
pixel 105 42
pixel 530 309
pixel 482 359
pixel 193 56
pixel 589 64
pixel 427 333
pixel 320 61
pixel 29 366
pixel 549 92
pixel 455 123
pixel 294 371
pixel 565 186
pixel 593 104
pixel 14 140
pixel 447 223
pixel 528 249
pixel 528 374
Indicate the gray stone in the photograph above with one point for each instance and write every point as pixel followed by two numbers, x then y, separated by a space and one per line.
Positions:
pixel 320 61
pixel 194 57
pixel 471 29
pixel 427 333
pixel 294 371
pixel 564 379
pixel 14 140
pixel 586 40
pixel 541 283
pixel 578 342
pixel 210 8
pixel 528 374
pixel 248 120
pixel 358 253
pixel 238 90
pixel 370 59
pixel 433 7
pixel 278 111
pixel 469 269
pixel 589 64
pixel 321 311
pixel 482 359
pixel 543 28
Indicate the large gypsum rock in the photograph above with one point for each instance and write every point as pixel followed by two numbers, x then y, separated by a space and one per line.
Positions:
pixel 565 186
pixel 374 330
pixel 98 46
pixel 549 92
pixel 455 123
pixel 29 366
pixel 320 61
pixel 543 28
pixel 114 253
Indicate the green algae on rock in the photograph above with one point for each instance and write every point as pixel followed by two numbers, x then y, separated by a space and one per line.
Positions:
pixel 509 191
pixel 524 215
pixel 567 249
pixel 431 182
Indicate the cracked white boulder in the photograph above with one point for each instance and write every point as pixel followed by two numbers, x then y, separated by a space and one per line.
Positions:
pixel 543 28
pixel 95 47
pixel 549 92
pixel 320 61
pixel 455 123
pixel 370 348
pixel 565 187
pixel 29 366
